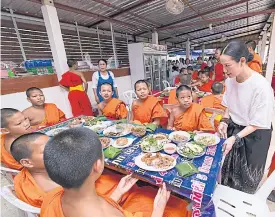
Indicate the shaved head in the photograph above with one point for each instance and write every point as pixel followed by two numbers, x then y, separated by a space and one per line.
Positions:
pixel 217 88
pixel 6 113
pixel 23 146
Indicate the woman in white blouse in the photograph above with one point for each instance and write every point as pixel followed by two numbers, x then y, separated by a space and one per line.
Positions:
pixel 246 125
pixel 103 76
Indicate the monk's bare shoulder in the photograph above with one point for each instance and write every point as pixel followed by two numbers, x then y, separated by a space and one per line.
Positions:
pixel 28 111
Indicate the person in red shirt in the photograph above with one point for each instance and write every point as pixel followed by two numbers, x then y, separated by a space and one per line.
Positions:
pixel 201 63
pixel 205 83
pixel 218 68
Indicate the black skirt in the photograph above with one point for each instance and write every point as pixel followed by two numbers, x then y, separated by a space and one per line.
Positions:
pixel 244 165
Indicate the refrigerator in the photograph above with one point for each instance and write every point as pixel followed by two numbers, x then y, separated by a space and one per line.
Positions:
pixel 148 62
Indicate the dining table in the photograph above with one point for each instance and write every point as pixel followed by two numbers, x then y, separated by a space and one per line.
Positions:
pixel 197 188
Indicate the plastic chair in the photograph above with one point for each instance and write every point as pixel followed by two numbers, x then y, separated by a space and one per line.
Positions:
pixel 26 210
pixel 129 97
pixel 8 173
pixel 230 202
pixel 165 84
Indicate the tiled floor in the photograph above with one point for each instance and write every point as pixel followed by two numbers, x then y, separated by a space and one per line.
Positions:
pixel 7 210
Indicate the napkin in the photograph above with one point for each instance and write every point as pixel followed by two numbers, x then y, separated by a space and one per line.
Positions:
pixel 151 128
pixel 186 169
pixel 111 152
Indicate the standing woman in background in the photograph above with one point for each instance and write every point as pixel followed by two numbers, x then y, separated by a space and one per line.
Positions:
pixel 103 76
pixel 246 124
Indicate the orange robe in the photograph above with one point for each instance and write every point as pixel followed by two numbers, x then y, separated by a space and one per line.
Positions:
pixel 7 158
pixel 139 204
pixel 256 63
pixel 212 101
pixel 194 118
pixel 53 116
pixel 272 165
pixel 28 191
pixel 143 200
pixel 206 87
pixel 52 206
pixel 115 110
pixel 172 99
pixel 148 110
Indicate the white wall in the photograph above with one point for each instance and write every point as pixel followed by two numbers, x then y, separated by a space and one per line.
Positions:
pixel 59 96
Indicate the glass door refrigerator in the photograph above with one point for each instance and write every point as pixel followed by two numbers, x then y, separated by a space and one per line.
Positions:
pixel 148 62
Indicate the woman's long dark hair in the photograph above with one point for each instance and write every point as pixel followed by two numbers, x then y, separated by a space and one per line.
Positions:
pixel 237 50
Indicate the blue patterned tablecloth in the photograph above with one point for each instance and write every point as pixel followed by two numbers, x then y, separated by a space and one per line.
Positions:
pixel 199 187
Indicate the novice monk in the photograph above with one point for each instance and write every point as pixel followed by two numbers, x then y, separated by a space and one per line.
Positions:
pixel 188 116
pixel 41 114
pixel 215 99
pixel 205 82
pixel 111 108
pixel 79 198
pixel 33 182
pixel 146 109
pixel 256 63
pixel 73 81
pixel 16 124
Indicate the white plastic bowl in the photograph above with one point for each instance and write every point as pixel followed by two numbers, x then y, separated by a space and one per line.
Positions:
pixel 170 146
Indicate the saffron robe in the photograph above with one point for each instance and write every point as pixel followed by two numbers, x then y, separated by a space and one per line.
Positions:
pixel 148 110
pixel 194 118
pixel 53 116
pixel 7 158
pixel 115 109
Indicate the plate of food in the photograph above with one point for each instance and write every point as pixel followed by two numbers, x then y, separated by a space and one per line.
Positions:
pixel 156 162
pixel 118 130
pixel 55 131
pixel 150 144
pixel 191 150
pixel 207 139
pixel 179 137
pixel 138 131
pixel 106 142
pixel 96 128
pixel 160 136
pixel 123 142
pixel 78 122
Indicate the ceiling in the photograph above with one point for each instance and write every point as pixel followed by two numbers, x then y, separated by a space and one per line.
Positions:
pixel 229 18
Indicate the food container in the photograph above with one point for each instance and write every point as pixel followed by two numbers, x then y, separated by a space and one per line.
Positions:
pixel 170 148
pixel 179 137
pixel 139 131
pixel 76 123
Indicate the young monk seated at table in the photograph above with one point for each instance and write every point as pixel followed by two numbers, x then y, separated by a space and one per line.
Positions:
pixel 33 182
pixel 188 116
pixel 111 108
pixel 214 101
pixel 41 114
pixel 78 196
pixel 146 109
pixel 15 124
pixel 205 82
